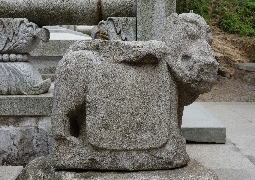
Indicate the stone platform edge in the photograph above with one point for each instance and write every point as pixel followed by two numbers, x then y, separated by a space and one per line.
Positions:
pixel 27 105
pixel 209 129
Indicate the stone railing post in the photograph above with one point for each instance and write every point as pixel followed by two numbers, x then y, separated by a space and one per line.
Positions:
pixel 63 12
pixel 151 17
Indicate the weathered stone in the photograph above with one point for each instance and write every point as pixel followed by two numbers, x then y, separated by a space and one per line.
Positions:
pixel 29 105
pixel 85 29
pixel 151 18
pixel 17 38
pixel 116 28
pixel 191 59
pixel 199 125
pixel 10 172
pixel 42 169
pixel 122 113
pixel 116 118
pixel 21 78
pixel 23 139
pixel 245 72
pixel 191 56
pixel 52 12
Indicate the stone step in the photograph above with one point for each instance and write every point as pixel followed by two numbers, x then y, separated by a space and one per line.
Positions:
pixel 246 66
pixel 199 125
pixel 10 172
pixel 245 72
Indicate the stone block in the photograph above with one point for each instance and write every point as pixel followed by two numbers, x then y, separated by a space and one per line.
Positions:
pixel 10 172
pixel 246 66
pixel 32 105
pixel 245 72
pixel 23 139
pixel 198 125
pixel 116 28
pixel 18 37
pixel 60 40
pixel 151 18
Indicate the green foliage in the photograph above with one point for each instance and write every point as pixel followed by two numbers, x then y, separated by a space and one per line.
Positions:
pixel 233 16
pixel 198 6
pixel 238 17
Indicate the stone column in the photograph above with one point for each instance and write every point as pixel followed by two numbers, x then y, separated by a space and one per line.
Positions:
pixel 151 17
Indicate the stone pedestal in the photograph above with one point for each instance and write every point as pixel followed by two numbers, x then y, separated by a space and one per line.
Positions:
pixel 42 169
pixel 116 28
pixel 17 38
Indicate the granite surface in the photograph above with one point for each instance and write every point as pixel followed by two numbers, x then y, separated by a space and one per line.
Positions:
pixel 151 18
pixel 20 78
pixel 193 170
pixel 18 37
pixel 121 114
pixel 74 12
pixel 29 105
pixel 116 28
pixel 116 116
pixel 191 59
pixel 23 139
pixel 10 172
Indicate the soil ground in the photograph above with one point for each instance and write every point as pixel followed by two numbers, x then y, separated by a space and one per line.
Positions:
pixel 230 49
pixel 229 90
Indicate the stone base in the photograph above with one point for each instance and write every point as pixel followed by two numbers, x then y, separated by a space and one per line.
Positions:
pixel 245 72
pixel 10 172
pixel 199 125
pixel 41 169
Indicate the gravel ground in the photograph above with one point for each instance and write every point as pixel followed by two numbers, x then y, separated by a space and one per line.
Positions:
pixel 229 90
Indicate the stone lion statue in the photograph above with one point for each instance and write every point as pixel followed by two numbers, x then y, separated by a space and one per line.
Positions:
pixel 118 104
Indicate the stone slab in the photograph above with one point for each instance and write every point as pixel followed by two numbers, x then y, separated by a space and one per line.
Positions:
pixel 240 121
pixel 60 40
pixel 246 66
pixel 26 105
pixel 233 160
pixel 199 125
pixel 23 139
pixel 226 160
pixel 245 72
pixel 85 29
pixel 193 170
pixel 10 172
